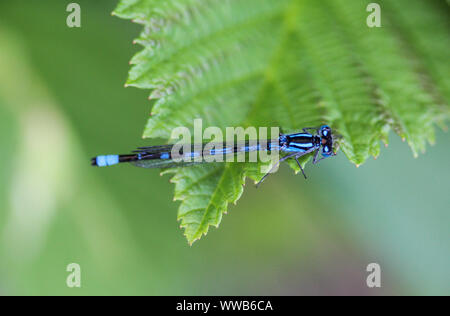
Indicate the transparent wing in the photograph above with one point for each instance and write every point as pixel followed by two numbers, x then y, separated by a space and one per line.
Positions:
pixel 154 149
pixel 207 149
pixel 163 163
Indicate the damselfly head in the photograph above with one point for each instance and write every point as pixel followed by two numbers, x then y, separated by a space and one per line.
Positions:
pixel 325 131
pixel 326 138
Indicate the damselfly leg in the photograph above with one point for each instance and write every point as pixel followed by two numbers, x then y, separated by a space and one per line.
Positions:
pixel 295 155
pixel 275 167
pixel 315 156
pixel 305 129
pixel 300 166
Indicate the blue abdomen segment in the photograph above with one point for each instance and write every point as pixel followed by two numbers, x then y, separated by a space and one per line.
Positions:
pixel 295 149
pixel 105 161
pixel 165 156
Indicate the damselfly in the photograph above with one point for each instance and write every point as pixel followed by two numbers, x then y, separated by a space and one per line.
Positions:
pixel 292 145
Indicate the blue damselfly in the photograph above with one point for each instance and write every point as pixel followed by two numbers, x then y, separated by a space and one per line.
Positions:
pixel 292 145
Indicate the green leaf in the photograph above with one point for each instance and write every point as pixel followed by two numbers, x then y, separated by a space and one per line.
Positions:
pixel 205 193
pixel 287 63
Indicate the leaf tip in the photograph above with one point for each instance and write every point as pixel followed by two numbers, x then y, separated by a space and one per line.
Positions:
pixel 191 241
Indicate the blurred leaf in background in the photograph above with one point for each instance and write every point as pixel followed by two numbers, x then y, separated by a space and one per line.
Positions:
pixel 288 237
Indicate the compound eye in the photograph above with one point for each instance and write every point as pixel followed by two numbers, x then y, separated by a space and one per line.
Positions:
pixel 326 151
pixel 325 129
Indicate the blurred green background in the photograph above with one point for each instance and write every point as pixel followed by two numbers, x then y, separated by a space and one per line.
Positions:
pixel 62 101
